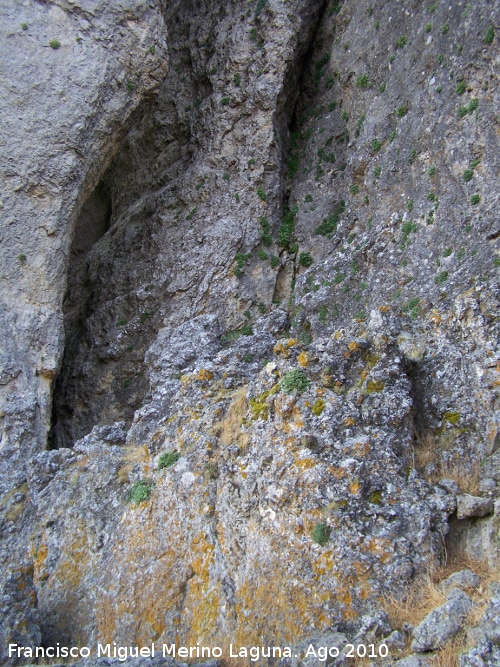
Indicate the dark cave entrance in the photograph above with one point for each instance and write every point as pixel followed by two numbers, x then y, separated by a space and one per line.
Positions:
pixel 92 223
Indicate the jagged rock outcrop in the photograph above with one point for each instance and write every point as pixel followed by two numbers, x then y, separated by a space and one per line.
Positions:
pixel 250 361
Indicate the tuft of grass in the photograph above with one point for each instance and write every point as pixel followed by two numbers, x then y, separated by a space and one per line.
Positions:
pixel 468 174
pixel 402 111
pixel 24 26
pixel 441 277
pixel 295 381
pixel 490 35
pixel 321 534
pixel 140 491
pixel 475 199
pixel 261 194
pixel 168 459
pixel 461 87
pixel 54 43
pixel 401 42
pixel 305 259
pixel 376 145
pixel 363 81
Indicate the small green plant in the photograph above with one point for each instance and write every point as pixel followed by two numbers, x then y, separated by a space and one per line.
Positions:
pixel 345 116
pixel 237 197
pixel 130 86
pixel 121 322
pixel 22 258
pixel 401 42
pixel 329 224
pixel 144 317
pixel 412 308
pixel 402 111
pixel 24 26
pixel 432 196
pixel 286 229
pixel 475 199
pixel 377 171
pixel 439 89
pixel 381 88
pixel 226 176
pixel 308 198
pixel 461 87
pixel 224 101
pixel 152 49
pixel 305 259
pixel 260 6
pixel 460 253
pixel 432 8
pixel 363 81
pixel 275 261
pixel 409 206
pixel 473 105
pixel 262 255
pixel 447 252
pixel 265 231
pixel 354 189
pixel 445 28
pixel 468 174
pixel 462 111
pixel 191 214
pixel 54 43
pixel 407 228
pixel 140 491
pixel 247 357
pixel 246 330
pixel 168 459
pixel 392 58
pixel 496 262
pixel 431 171
pixel 262 308
pixel 428 27
pixel 441 277
pixel 237 79
pixel 240 258
pixel 376 145
pixel 490 35
pixel 261 194
pixel 295 380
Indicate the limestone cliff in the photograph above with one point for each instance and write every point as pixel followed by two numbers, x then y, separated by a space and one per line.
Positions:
pixel 250 368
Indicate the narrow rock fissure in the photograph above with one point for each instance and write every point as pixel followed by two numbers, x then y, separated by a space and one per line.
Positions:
pixel 92 223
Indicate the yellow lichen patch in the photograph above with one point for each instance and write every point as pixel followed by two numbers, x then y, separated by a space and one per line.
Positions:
pixel 350 421
pixel 361 449
pixel 40 572
pixel 373 386
pixel 305 464
pixel 435 317
pixel 325 563
pixel 320 391
pixel 354 487
pixel 338 473
pixel 303 359
pixel 291 342
pixel 204 375
pixel 318 407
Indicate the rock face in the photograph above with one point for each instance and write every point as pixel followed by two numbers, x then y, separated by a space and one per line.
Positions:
pixel 250 264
